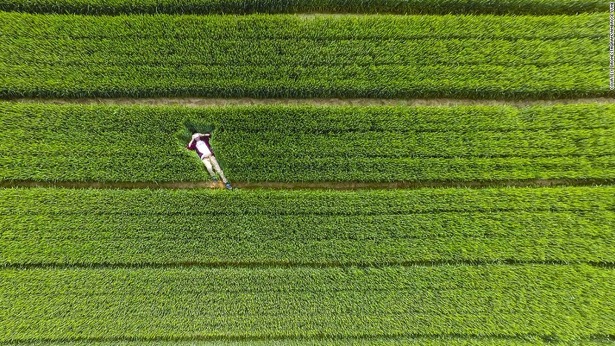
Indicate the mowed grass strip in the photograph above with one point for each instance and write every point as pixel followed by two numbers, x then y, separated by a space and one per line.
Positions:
pixel 561 302
pixel 213 228
pixel 536 7
pixel 308 144
pixel 296 56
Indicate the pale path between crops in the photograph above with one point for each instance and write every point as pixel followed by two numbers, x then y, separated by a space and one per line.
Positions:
pixel 305 265
pixel 310 185
pixel 205 102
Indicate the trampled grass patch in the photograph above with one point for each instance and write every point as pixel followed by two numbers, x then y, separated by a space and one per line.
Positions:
pixel 293 56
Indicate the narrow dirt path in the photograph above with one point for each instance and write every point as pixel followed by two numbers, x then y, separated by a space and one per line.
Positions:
pixel 273 264
pixel 208 102
pixel 312 185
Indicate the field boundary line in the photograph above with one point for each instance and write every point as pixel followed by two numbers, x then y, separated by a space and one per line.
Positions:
pixel 213 102
pixel 315 337
pixel 290 265
pixel 309 185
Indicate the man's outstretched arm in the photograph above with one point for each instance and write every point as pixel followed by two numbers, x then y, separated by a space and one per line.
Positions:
pixel 191 145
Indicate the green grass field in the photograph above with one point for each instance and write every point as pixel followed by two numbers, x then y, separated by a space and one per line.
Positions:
pixel 309 144
pixel 509 300
pixel 305 6
pixel 141 227
pixel 291 56
pixel 490 224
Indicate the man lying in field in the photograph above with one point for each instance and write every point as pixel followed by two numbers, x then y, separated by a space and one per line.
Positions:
pixel 200 144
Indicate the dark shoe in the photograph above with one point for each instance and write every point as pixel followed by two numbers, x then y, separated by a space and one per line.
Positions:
pixel 228 186
pixel 214 179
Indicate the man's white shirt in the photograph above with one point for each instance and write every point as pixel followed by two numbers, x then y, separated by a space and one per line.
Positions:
pixel 200 145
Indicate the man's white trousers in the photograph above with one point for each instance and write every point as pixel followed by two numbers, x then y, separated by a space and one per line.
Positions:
pixel 213 167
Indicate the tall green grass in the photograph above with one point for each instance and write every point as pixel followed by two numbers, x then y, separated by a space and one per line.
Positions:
pixel 307 144
pixel 91 227
pixel 558 302
pixel 293 56
pixel 541 7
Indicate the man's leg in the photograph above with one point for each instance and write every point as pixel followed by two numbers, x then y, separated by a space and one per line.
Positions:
pixel 208 165
pixel 214 162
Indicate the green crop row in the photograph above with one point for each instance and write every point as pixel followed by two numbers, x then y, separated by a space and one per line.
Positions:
pixel 304 143
pixel 541 7
pixel 276 202
pixel 59 226
pixel 293 56
pixel 559 302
